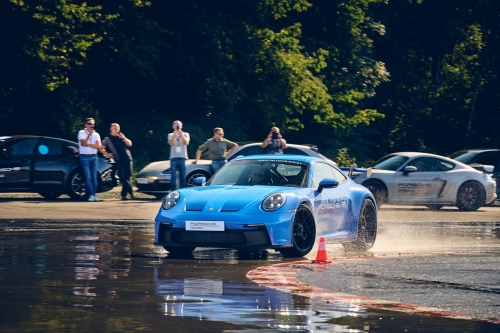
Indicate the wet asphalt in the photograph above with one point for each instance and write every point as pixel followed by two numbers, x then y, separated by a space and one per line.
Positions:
pixel 104 275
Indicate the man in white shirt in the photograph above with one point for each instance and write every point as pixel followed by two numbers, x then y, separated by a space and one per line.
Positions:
pixel 89 141
pixel 178 141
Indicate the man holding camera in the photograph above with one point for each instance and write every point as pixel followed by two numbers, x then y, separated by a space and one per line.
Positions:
pixel 89 141
pixel 178 141
pixel 274 143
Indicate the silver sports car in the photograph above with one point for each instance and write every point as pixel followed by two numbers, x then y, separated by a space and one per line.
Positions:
pixel 426 179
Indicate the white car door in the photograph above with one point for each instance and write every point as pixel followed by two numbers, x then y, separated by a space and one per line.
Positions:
pixel 423 185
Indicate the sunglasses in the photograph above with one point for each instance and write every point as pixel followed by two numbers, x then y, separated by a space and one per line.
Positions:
pixel 258 174
pixel 90 124
pixel 221 134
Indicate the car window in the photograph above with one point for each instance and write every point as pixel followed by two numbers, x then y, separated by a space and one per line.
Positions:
pixel 253 150
pixel 390 162
pixel 294 151
pixel 320 172
pixel 262 172
pixel 489 160
pixel 339 176
pixel 50 147
pixel 463 156
pixel 430 164
pixel 22 147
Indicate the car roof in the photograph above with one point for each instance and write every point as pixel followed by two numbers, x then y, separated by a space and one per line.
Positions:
pixel 477 150
pixel 304 146
pixel 414 154
pixel 286 157
pixel 33 137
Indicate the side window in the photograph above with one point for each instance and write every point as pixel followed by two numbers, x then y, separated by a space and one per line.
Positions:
pixel 489 160
pixel 23 147
pixel 294 151
pixel 431 164
pixel 320 172
pixel 50 147
pixel 339 176
pixel 254 150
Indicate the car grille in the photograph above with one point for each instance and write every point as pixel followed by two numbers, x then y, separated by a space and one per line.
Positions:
pixel 208 237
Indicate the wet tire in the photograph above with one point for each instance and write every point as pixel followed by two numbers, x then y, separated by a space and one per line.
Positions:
pixel 179 251
pixel 195 174
pixel 367 228
pixel 470 196
pixel 50 195
pixel 378 190
pixel 303 233
pixel 75 187
pixel 434 207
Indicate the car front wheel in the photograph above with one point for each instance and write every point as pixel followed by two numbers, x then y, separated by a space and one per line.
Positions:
pixel 470 196
pixel 75 186
pixel 303 233
pixel 367 228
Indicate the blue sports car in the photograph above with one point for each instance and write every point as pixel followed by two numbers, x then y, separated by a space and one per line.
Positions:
pixel 282 202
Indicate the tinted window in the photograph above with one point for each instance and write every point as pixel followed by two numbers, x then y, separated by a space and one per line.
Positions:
pixel 390 162
pixel 430 164
pixel 50 147
pixel 22 147
pixel 294 151
pixel 254 150
pixel 463 156
pixel 489 160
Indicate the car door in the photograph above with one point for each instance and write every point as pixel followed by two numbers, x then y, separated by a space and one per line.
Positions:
pixel 331 204
pixel 423 185
pixel 16 157
pixel 54 161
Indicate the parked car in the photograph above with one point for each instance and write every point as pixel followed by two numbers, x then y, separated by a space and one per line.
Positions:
pixel 154 178
pixel 48 166
pixel 426 179
pixel 298 199
pixel 478 159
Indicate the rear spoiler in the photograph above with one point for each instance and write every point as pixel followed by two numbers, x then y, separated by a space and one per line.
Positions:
pixel 353 169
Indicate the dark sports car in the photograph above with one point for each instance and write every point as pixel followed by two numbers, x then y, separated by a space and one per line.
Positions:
pixel 48 166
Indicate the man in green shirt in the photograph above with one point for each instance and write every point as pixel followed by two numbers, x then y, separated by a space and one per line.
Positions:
pixel 218 149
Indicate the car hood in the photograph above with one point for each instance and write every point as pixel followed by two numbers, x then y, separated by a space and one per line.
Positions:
pixel 226 198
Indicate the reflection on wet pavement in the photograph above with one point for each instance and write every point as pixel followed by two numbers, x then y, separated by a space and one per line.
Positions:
pixel 111 278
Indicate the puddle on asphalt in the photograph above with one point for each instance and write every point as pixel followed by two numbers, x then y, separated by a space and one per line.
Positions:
pixel 113 279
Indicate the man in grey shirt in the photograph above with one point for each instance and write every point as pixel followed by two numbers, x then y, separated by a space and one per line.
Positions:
pixel 178 141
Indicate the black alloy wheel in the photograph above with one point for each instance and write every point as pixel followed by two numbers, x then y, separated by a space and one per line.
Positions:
pixel 378 190
pixel 50 195
pixel 195 174
pixel 303 233
pixel 435 207
pixel 76 187
pixel 179 251
pixel 367 228
pixel 470 196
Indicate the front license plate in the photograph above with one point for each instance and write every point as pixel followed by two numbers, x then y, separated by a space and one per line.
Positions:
pixel 141 180
pixel 205 225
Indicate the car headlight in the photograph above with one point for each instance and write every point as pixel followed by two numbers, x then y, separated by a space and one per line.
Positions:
pixel 171 200
pixel 274 202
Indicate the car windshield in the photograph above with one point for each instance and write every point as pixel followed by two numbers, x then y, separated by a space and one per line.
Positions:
pixel 264 172
pixel 463 156
pixel 390 162
pixel 4 139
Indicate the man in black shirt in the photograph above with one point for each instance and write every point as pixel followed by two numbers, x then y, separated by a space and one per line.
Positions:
pixel 115 146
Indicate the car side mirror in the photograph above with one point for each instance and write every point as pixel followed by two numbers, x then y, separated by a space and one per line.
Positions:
pixel 69 151
pixel 408 169
pixel 327 183
pixel 199 181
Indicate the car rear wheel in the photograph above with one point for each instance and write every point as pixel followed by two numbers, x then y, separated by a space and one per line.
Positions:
pixel 303 233
pixel 378 190
pixel 179 251
pixel 76 188
pixel 50 195
pixel 367 228
pixel 470 196
pixel 435 207
pixel 195 174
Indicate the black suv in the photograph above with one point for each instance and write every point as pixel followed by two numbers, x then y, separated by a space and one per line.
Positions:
pixel 48 166
pixel 481 157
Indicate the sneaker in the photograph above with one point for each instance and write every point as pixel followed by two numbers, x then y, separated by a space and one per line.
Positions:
pixel 96 199
pixel 91 198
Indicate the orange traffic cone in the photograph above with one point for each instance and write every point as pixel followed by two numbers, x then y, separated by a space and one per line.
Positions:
pixel 321 256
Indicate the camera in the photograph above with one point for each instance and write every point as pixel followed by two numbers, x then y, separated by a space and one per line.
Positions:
pixel 177 127
pixel 274 135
